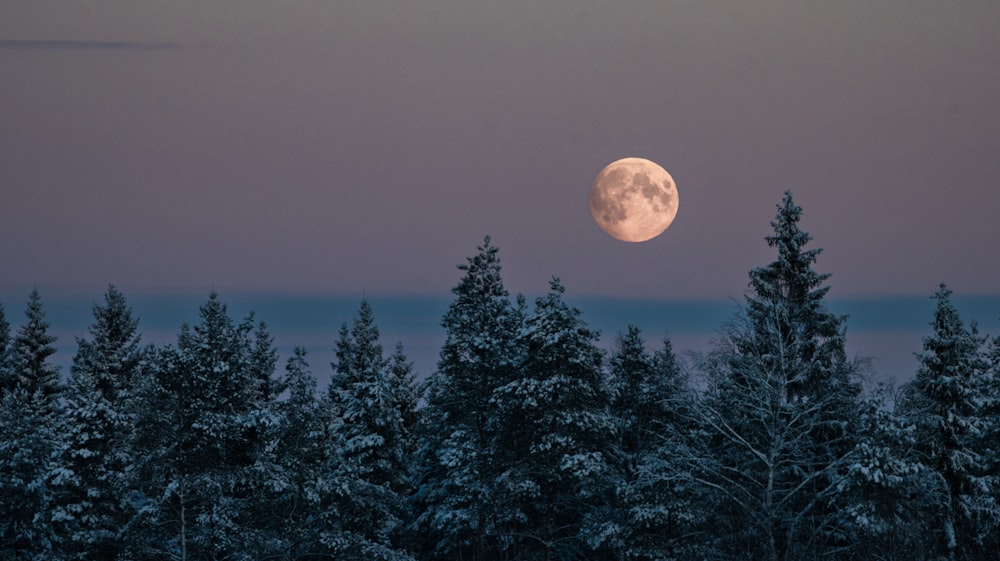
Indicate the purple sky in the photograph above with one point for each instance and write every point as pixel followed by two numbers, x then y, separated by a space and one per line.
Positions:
pixel 346 146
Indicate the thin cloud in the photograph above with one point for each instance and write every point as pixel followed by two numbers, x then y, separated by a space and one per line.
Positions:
pixel 67 45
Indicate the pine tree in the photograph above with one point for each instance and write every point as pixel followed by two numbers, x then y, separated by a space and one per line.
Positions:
pixel 944 403
pixel 94 451
pixel 367 474
pixel 481 352
pixel 780 409
pixel 552 435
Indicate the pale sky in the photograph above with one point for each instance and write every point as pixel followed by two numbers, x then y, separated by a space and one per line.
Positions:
pixel 348 147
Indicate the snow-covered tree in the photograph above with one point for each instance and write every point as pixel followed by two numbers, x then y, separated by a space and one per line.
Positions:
pixel 780 410
pixel 7 379
pixel 403 380
pixel 26 444
pixel 28 415
pixel 198 437
pixel 651 513
pixel 367 476
pixel 453 501
pixel 945 404
pixel 93 457
pixel 886 509
pixel 31 349
pixel 551 433
pixel 288 507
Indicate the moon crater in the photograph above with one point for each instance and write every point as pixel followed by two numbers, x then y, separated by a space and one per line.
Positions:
pixel 633 200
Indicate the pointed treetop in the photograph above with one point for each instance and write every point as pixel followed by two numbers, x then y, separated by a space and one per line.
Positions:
pixel 790 278
pixel 951 339
pixel 31 350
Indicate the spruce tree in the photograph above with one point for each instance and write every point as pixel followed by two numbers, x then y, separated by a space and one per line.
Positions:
pixel 403 380
pixel 454 501
pixel 94 450
pixel 367 474
pixel 28 417
pixel 26 445
pixel 944 404
pixel 780 409
pixel 651 513
pixel 32 347
pixel 197 437
pixel 552 436
pixel 290 502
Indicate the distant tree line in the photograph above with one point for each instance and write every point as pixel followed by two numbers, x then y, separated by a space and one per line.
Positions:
pixel 529 442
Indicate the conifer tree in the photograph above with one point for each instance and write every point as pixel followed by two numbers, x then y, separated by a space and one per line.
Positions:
pixel 290 506
pixel 651 516
pixel 7 379
pixel 197 435
pixel 26 444
pixel 481 352
pixel 944 403
pixel 94 450
pixel 403 380
pixel 31 350
pixel 28 416
pixel 552 435
pixel 781 409
pixel 367 474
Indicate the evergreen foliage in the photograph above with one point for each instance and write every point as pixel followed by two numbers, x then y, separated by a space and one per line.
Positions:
pixel 551 435
pixel 32 347
pixel 481 352
pixel 198 427
pixel 780 411
pixel 7 378
pixel 652 512
pixel 28 436
pixel 945 405
pixel 93 454
pixel 367 476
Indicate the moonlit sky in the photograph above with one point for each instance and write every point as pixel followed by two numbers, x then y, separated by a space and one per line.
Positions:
pixel 366 147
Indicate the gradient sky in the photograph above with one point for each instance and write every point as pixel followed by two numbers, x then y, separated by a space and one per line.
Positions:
pixel 297 155
pixel 348 146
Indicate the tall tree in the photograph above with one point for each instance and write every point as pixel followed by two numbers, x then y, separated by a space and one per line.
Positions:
pixel 197 437
pixel 28 416
pixel 367 475
pixel 30 354
pixel 944 403
pixel 781 408
pixel 26 445
pixel 890 502
pixel 289 503
pixel 403 380
pixel 481 352
pixel 652 510
pixel 552 434
pixel 94 449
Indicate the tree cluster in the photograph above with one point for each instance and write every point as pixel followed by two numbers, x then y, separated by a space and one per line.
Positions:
pixel 529 442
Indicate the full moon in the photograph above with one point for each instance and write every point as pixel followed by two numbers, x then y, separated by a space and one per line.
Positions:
pixel 633 200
